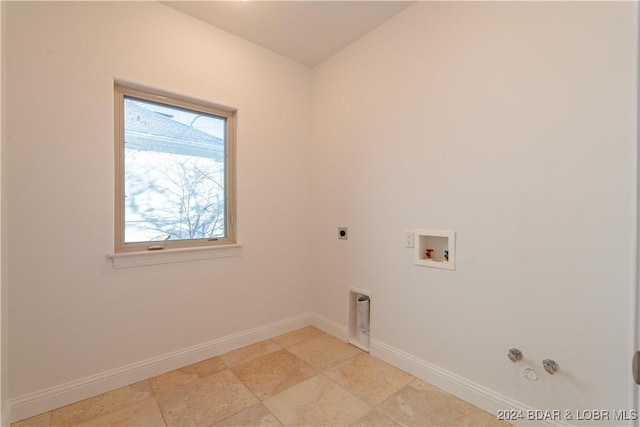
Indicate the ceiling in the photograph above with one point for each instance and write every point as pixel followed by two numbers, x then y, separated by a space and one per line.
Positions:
pixel 305 31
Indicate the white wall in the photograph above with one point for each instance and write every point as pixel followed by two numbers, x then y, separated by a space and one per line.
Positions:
pixel 72 315
pixel 512 124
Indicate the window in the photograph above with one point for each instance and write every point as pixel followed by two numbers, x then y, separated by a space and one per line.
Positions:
pixel 174 172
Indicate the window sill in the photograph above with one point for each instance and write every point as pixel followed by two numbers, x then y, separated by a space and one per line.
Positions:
pixel 166 256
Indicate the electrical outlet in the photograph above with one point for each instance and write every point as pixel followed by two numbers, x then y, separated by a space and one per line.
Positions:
pixel 408 239
pixel 343 233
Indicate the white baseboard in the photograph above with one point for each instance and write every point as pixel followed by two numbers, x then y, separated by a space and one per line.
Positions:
pixel 54 397
pixel 482 397
pixel 329 326
pixel 45 400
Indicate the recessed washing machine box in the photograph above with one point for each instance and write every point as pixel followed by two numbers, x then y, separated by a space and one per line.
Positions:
pixel 435 248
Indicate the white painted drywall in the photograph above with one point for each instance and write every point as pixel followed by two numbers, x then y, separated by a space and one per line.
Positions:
pixel 71 314
pixel 512 124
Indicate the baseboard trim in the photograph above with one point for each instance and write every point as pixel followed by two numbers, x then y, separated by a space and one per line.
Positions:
pixel 469 391
pixel 454 384
pixel 54 397
pixel 45 400
pixel 329 326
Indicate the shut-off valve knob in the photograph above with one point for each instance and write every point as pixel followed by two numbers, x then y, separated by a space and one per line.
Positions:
pixel 514 355
pixel 551 366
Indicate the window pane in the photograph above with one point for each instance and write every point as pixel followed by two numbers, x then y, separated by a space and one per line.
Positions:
pixel 174 173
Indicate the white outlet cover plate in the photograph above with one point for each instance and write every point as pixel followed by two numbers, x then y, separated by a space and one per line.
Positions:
pixel 408 239
pixel 342 236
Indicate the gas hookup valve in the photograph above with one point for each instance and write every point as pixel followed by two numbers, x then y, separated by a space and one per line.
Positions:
pixel 514 355
pixel 551 366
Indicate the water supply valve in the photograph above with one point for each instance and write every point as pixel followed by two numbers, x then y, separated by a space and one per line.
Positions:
pixel 551 366
pixel 514 355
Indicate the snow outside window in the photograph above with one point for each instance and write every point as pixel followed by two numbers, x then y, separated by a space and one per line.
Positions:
pixel 174 169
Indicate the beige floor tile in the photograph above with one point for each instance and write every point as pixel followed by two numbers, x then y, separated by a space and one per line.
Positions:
pixel 298 335
pixel 305 377
pixel 205 401
pixel 251 352
pixel 184 376
pixel 421 404
pixel 100 405
pixel 142 414
pixel 205 368
pixel 374 419
pixel 42 420
pixel 273 373
pixel 323 351
pixel 369 377
pixel 318 401
pixel 257 415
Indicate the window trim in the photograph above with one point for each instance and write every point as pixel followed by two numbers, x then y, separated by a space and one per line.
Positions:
pixel 120 91
pixel 167 256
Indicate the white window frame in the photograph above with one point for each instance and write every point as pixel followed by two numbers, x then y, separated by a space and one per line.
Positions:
pixel 121 248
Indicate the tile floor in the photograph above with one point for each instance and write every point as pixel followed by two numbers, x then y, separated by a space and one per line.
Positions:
pixel 303 378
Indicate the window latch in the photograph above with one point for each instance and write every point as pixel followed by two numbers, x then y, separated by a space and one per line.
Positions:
pixel 158 247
